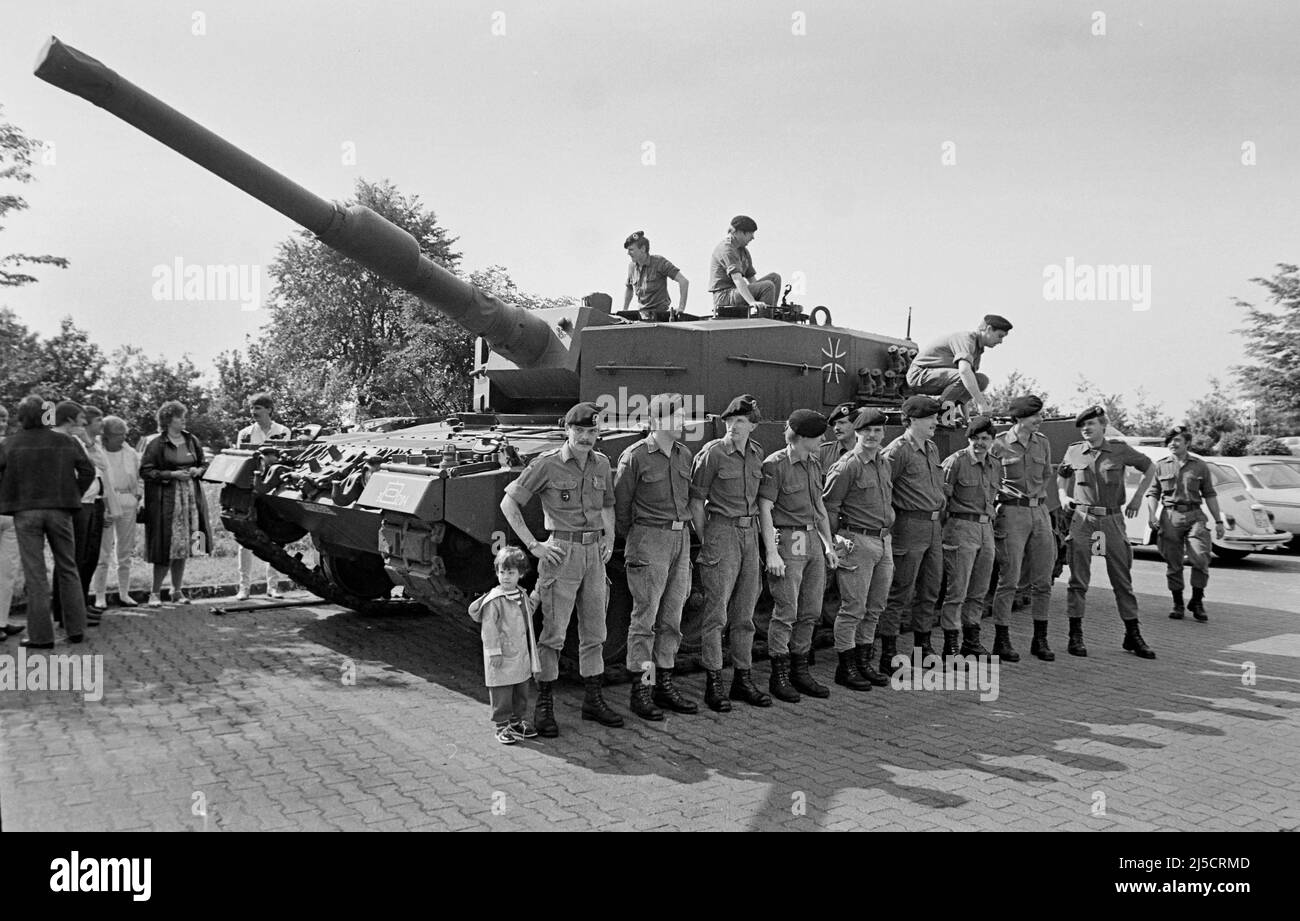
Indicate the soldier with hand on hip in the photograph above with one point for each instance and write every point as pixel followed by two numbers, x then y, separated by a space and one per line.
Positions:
pixel 577 493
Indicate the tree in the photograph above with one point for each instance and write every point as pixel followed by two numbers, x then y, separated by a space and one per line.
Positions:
pixel 137 385
pixel 347 340
pixel 1113 403
pixel 1267 444
pixel 15 165
pixel 1213 415
pixel 333 320
pixel 1015 385
pixel 1148 418
pixel 20 364
pixel 1273 341
pixel 69 366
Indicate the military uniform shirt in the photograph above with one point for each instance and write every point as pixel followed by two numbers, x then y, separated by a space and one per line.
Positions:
pixel 1189 483
pixel 650 282
pixel 650 486
pixel 1026 469
pixel 917 473
pixel 828 452
pixel 970 485
pixel 945 352
pixel 727 259
pixel 859 493
pixel 572 496
pixel 1099 474
pixel 726 479
pixel 794 488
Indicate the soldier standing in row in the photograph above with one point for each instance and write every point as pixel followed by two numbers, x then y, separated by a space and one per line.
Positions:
pixel 846 437
pixel 577 493
pixel 799 549
pixel 1022 532
pixel 1091 480
pixel 970 481
pixel 724 509
pixel 652 510
pixel 858 499
pixel 919 501
pixel 1174 507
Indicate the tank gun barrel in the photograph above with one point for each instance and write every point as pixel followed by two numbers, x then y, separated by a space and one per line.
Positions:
pixel 356 232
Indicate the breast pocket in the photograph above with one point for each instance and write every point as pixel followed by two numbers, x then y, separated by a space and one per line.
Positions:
pixel 1112 474
pixel 1083 474
pixel 564 493
pixel 1168 485
pixel 595 492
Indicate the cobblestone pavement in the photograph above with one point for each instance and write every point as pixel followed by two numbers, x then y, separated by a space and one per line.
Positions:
pixel 244 722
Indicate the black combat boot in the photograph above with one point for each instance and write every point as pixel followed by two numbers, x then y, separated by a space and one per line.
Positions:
pixel 922 642
pixel 640 702
pixel 1197 605
pixel 803 679
pixel 888 649
pixel 1075 647
pixel 1039 645
pixel 713 696
pixel 743 689
pixel 970 641
pixel 544 715
pixel 1133 641
pixel 1002 647
pixel 667 695
pixel 779 684
pixel 848 675
pixel 1177 612
pixel 867 666
pixel 594 706
pixel 951 644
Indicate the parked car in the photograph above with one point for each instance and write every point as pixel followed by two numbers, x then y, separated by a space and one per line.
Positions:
pixel 1273 482
pixel 1250 528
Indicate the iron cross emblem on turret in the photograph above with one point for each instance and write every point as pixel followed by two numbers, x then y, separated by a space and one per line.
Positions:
pixel 832 367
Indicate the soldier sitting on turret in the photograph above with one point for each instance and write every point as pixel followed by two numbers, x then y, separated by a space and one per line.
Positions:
pixel 731 274
pixel 648 276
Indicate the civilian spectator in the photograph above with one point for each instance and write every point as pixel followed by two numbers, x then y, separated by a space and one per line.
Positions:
pixel 175 513
pixel 123 483
pixel 43 475
pixel 263 429
pixel 8 554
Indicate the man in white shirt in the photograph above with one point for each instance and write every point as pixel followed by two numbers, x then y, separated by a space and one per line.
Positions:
pixel 123 483
pixel 263 429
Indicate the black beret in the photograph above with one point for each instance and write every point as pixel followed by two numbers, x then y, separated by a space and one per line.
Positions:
pixel 584 415
pixel 993 321
pixel 744 223
pixel 920 406
pixel 807 423
pixel 843 411
pixel 1026 405
pixel 867 417
pixel 979 424
pixel 743 405
pixel 1092 412
pixel 1176 431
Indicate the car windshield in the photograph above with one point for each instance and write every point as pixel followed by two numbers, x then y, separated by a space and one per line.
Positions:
pixel 1276 476
pixel 1220 476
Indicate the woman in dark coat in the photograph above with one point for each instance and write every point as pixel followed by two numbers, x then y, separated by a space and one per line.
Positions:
pixel 175 512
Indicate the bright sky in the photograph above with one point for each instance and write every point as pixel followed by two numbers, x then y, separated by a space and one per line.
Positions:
pixel 1117 149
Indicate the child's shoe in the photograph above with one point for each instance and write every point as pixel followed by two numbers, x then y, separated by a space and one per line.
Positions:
pixel 506 735
pixel 523 729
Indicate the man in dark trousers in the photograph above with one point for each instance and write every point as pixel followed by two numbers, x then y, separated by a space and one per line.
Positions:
pixel 43 475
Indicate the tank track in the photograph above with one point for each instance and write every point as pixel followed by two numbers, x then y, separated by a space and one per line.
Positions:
pixel 249 535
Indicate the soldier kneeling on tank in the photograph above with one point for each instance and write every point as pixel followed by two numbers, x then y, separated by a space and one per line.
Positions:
pixel 577 494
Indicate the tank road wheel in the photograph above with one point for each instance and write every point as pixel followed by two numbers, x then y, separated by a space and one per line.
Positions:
pixel 363 576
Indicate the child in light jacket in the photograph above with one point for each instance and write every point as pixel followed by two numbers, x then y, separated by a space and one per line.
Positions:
pixel 509 648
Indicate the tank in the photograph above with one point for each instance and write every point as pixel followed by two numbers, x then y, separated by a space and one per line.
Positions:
pixel 417 507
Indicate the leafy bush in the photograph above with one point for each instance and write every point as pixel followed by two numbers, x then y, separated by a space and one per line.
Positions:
pixel 1267 444
pixel 1234 444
